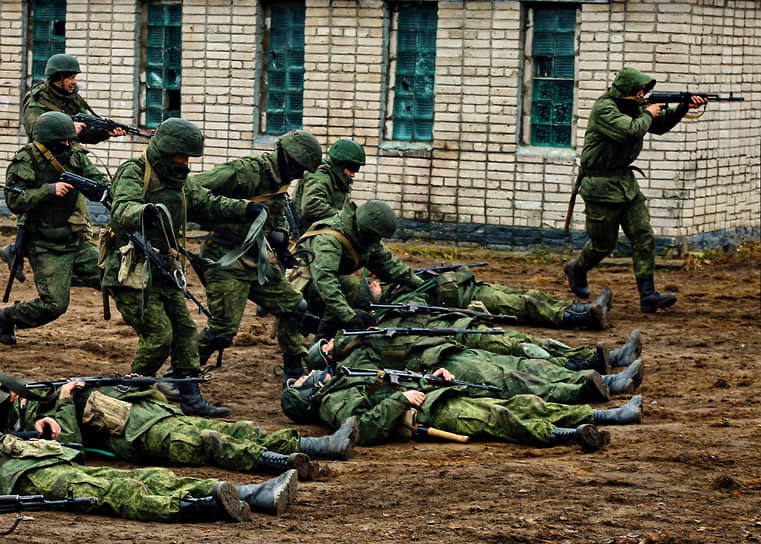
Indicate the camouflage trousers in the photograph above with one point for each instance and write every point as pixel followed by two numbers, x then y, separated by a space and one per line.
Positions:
pixel 164 327
pixel 516 376
pixel 177 441
pixel 145 494
pixel 602 222
pixel 53 268
pixel 227 293
pixel 525 419
pixel 530 306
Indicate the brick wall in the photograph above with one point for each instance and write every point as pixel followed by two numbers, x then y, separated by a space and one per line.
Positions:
pixel 477 181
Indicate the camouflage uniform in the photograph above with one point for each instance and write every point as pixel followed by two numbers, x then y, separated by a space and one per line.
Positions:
pixel 159 313
pixel 45 467
pixel 58 230
pixel 380 409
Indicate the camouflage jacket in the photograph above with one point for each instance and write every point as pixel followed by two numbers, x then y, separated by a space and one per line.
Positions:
pixel 321 194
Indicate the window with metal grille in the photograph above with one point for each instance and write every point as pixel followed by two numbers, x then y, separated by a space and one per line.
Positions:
pixel 285 69
pixel 415 67
pixel 553 59
pixel 48 34
pixel 163 63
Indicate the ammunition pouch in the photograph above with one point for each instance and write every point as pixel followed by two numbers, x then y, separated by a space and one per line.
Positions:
pixel 104 413
pixel 132 271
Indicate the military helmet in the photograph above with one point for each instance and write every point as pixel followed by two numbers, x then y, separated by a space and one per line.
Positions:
pixel 177 136
pixel 61 63
pixel 376 216
pixel 303 148
pixel 315 358
pixel 54 126
pixel 347 151
pixel 297 407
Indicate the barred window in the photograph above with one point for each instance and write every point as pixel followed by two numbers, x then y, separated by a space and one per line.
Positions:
pixel 163 63
pixel 285 69
pixel 48 34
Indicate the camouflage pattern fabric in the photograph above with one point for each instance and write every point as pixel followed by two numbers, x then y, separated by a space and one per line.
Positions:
pixel 321 194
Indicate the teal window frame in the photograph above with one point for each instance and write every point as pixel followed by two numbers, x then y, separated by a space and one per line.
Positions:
pixel 554 56
pixel 415 72
pixel 285 69
pixel 48 34
pixel 163 63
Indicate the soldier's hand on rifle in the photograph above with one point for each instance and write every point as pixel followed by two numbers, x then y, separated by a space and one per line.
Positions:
pixel 79 126
pixel 697 101
pixel 47 427
pixel 118 131
pixel 444 374
pixel 67 389
pixel 655 109
pixel 415 398
pixel 253 209
pixel 60 188
pixel 360 321
pixel 375 289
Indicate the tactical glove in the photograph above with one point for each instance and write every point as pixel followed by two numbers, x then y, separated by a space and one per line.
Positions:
pixel 253 209
pixel 360 321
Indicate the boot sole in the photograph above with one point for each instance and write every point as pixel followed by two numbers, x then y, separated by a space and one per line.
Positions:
pixel 599 391
pixel 592 437
pixel 603 354
pixel 639 376
pixel 653 308
pixel 304 466
pixel 228 499
pixel 284 492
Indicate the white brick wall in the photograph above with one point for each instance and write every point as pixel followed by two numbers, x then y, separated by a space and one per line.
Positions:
pixel 703 176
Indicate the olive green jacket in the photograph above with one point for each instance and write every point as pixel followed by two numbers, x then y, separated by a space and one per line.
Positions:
pixel 321 194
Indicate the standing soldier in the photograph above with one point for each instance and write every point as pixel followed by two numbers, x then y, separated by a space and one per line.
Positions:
pixel 323 193
pixel 261 179
pixel 152 194
pixel 57 221
pixel 619 121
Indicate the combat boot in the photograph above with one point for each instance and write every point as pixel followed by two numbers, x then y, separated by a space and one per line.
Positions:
pixel 599 361
pixel 587 435
pixel 650 301
pixel 7 326
pixel 631 412
pixel 626 381
pixel 338 445
pixel 625 355
pixel 593 389
pixel 169 389
pixel 577 279
pixel 277 463
pixel 193 404
pixel 292 367
pixel 592 315
pixel 8 253
pixel 272 496
pixel 224 503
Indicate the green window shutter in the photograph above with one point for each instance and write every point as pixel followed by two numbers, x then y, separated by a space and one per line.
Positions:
pixel 163 63
pixel 285 69
pixel 48 34
pixel 552 98
pixel 415 68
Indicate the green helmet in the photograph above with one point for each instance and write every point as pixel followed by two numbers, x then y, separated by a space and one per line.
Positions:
pixel 296 407
pixel 345 150
pixel 54 126
pixel 177 136
pixel 377 217
pixel 315 358
pixel 61 63
pixel 303 148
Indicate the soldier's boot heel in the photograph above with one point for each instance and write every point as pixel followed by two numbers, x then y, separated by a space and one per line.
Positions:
pixel 338 445
pixel 224 503
pixel 272 496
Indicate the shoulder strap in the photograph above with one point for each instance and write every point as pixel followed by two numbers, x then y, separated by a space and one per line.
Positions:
pixel 49 156
pixel 268 196
pixel 340 236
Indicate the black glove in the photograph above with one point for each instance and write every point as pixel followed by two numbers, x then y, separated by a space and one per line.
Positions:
pixel 360 321
pixel 150 214
pixel 253 209
pixel 278 240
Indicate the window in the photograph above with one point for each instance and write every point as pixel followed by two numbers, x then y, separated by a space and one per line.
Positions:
pixel 48 34
pixel 415 67
pixel 553 76
pixel 285 69
pixel 163 63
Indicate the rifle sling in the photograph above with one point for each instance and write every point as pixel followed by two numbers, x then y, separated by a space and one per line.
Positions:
pixel 49 156
pixel 340 236
pixel 269 196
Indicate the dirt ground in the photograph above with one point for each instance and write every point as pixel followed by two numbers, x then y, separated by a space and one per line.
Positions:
pixel 691 473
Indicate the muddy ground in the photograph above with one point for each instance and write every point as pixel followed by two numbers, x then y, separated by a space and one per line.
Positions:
pixel 691 473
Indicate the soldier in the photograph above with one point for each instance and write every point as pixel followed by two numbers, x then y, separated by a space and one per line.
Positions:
pixel 322 194
pixel 57 222
pixel 137 427
pixel 152 194
pixel 619 121
pixel 343 244
pixel 59 92
pixel 264 179
pixel 383 411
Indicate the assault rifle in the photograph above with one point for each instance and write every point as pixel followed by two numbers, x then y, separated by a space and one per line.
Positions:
pixel 18 249
pixel 37 503
pixel 411 308
pixel 108 124
pixel 292 217
pixel 684 98
pixel 91 189
pixel 390 332
pixel 12 189
pixel 160 264
pixel 399 376
pixel 136 381
pixel 432 271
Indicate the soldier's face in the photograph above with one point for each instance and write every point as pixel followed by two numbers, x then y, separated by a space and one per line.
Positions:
pixel 68 84
pixel 181 159
pixel 349 173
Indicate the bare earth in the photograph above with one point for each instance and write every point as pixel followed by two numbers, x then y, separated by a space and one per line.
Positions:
pixel 691 473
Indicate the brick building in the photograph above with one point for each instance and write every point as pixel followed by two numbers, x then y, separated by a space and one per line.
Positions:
pixel 471 112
